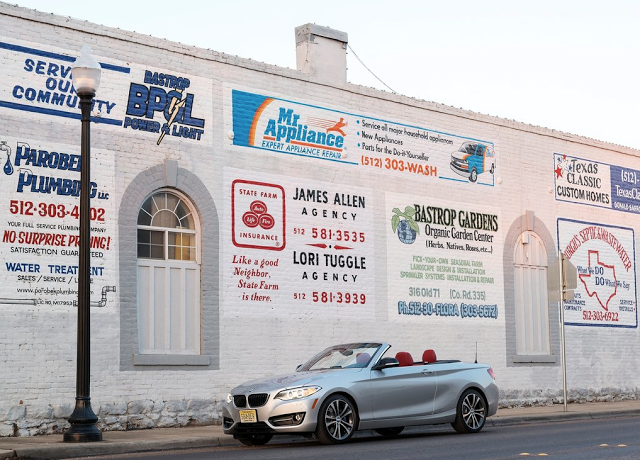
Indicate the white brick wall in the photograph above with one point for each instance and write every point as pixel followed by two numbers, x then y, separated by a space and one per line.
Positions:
pixel 37 343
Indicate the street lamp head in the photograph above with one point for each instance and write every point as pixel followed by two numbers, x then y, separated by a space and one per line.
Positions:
pixel 85 72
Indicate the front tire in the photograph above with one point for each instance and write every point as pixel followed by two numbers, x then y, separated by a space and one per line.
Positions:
pixel 471 412
pixel 336 420
pixel 474 175
pixel 255 439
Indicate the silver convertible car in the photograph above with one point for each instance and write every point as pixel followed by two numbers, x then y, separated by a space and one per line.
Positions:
pixel 356 386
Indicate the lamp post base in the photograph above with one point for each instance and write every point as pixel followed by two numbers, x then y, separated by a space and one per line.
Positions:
pixel 83 424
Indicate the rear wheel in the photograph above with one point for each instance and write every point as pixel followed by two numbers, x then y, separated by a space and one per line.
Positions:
pixel 471 412
pixel 336 420
pixel 390 432
pixel 255 439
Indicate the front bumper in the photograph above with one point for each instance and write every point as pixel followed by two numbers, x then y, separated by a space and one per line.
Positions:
pixel 460 168
pixel 274 417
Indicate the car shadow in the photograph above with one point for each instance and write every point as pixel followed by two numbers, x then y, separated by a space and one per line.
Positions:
pixel 365 436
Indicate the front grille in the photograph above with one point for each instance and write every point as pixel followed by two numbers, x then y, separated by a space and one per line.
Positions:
pixel 240 400
pixel 258 399
pixel 459 164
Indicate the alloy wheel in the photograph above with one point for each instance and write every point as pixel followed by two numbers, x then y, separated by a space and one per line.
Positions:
pixel 339 419
pixel 473 411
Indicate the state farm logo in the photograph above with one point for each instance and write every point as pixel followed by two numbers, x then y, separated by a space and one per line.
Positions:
pixel 258 215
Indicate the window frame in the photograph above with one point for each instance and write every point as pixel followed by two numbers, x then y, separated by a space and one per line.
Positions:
pixel 527 329
pixel 166 230
pixel 168 173
pixel 528 222
pixel 167 357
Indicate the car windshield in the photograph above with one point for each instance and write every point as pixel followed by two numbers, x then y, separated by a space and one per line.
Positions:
pixel 468 147
pixel 351 355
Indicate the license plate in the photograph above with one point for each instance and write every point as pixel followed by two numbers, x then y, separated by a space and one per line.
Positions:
pixel 248 416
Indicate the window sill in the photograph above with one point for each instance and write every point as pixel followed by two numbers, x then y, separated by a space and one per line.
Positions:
pixel 171 360
pixel 549 359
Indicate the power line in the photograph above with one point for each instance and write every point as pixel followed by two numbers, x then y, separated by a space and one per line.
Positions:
pixel 364 65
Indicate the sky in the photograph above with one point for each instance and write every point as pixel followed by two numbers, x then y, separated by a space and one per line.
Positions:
pixel 568 65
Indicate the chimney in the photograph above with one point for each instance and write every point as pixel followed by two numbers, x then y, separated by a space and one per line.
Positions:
pixel 322 53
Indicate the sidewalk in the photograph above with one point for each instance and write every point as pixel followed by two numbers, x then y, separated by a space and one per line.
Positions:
pixel 121 442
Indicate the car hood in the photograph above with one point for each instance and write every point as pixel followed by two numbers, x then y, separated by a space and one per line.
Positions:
pixel 280 382
pixel 458 155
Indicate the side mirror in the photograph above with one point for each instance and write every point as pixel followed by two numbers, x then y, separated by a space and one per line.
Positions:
pixel 385 363
pixel 298 367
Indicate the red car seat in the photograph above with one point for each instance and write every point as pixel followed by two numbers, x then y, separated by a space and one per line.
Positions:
pixel 429 356
pixel 404 358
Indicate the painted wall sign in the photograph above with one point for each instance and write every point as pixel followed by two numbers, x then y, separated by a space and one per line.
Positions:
pixel 163 104
pixel 297 248
pixel 605 258
pixel 39 214
pixel 155 102
pixel 258 215
pixel 625 189
pixel 596 184
pixel 444 258
pixel 304 130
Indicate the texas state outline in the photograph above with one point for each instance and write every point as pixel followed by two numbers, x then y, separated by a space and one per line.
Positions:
pixel 595 291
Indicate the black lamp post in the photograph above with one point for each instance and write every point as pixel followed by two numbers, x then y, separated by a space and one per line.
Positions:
pixel 86 79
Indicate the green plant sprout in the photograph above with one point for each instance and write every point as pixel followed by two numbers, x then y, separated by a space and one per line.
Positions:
pixel 408 214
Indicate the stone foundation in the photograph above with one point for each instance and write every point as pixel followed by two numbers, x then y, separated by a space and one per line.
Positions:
pixel 530 398
pixel 23 420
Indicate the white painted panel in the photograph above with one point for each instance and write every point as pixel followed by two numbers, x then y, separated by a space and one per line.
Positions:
pixel 177 309
pixel 169 307
pixel 160 307
pixel 145 313
pixel 530 288
pixel 192 300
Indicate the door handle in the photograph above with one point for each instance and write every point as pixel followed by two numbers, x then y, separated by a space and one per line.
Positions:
pixel 427 372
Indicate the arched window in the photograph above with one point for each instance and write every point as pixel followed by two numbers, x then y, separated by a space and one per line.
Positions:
pixel 166 229
pixel 531 298
pixel 168 275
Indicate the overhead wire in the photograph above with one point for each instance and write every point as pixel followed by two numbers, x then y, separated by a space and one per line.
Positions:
pixel 365 66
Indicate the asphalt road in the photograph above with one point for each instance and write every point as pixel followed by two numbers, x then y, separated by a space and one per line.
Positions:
pixel 585 440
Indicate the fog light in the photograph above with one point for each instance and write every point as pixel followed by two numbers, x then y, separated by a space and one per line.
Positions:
pixel 227 422
pixel 288 419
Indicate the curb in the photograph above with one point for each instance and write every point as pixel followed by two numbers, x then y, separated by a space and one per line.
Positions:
pixel 62 450
pixel 560 416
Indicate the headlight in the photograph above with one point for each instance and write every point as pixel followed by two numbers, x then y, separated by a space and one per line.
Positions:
pixel 297 393
pixel 229 398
